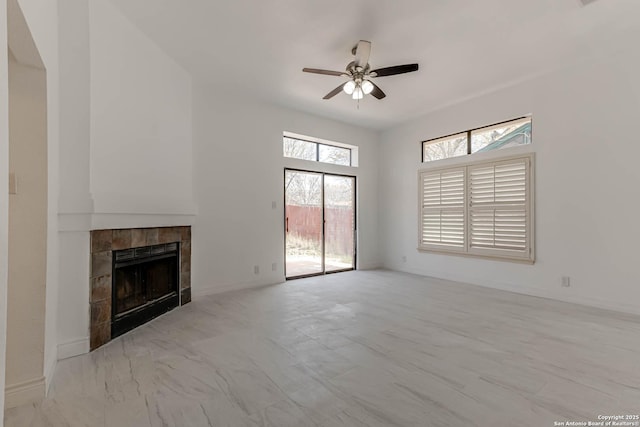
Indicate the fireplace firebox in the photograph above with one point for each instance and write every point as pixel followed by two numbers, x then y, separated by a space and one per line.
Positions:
pixel 145 285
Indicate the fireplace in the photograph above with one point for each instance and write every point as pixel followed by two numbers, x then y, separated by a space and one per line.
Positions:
pixel 145 285
pixel 154 267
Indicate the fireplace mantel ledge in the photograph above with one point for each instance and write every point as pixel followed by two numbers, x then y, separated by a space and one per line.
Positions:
pixel 70 222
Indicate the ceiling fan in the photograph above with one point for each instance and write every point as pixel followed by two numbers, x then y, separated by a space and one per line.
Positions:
pixel 360 74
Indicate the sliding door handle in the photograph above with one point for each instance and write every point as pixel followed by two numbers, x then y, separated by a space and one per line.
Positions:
pixel 287 224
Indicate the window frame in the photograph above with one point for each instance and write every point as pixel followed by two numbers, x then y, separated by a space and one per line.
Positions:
pixel 468 133
pixel 484 253
pixel 317 150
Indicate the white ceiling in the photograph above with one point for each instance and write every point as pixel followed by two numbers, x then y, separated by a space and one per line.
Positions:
pixel 464 47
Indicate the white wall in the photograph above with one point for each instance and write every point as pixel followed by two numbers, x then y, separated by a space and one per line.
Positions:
pixel 27 234
pixel 141 139
pixel 41 17
pixel 585 140
pixel 239 172
pixel 4 196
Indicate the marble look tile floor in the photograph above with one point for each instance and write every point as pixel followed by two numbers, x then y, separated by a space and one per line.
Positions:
pixel 364 348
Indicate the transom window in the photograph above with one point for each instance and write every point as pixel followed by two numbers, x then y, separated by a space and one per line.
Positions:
pixel 494 137
pixel 316 151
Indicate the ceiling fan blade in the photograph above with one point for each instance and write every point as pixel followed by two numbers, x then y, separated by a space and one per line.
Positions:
pixel 334 92
pixel 377 92
pixel 396 69
pixel 325 72
pixel 363 51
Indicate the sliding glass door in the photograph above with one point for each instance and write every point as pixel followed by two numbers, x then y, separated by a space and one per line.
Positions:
pixel 319 223
pixel 339 223
pixel 303 223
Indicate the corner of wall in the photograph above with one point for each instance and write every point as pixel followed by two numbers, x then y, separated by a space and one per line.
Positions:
pixel 4 197
pixel 50 368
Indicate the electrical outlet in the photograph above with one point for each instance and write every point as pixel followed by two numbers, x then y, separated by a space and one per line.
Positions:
pixel 274 266
pixel 404 258
pixel 273 204
pixel 256 269
pixel 566 281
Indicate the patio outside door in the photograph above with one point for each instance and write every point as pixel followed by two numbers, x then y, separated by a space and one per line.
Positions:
pixel 319 223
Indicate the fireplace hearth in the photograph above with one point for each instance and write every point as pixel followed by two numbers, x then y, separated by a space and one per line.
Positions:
pixel 145 285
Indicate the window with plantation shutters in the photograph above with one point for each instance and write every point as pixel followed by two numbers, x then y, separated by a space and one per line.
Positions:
pixel 442 213
pixel 483 209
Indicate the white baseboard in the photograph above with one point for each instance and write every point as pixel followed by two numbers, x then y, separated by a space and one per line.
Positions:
pixel 367 267
pixel 572 299
pixel 528 290
pixel 197 293
pixel 73 348
pixel 228 287
pixel 24 393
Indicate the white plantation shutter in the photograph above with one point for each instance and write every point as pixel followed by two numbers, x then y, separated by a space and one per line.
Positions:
pixel 481 209
pixel 499 208
pixel 442 214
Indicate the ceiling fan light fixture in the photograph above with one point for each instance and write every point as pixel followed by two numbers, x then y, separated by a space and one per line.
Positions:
pixel 357 93
pixel 367 87
pixel 349 87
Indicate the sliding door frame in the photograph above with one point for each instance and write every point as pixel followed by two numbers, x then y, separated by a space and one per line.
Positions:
pixel 355 223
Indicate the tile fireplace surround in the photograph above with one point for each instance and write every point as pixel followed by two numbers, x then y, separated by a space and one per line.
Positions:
pixel 103 242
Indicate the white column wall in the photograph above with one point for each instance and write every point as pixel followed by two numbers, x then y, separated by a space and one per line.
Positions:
pixel 76 204
pixel 141 125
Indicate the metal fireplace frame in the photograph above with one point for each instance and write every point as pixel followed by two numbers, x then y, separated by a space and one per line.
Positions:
pixel 136 316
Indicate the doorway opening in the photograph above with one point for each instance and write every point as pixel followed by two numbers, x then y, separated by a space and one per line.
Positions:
pixel 320 223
